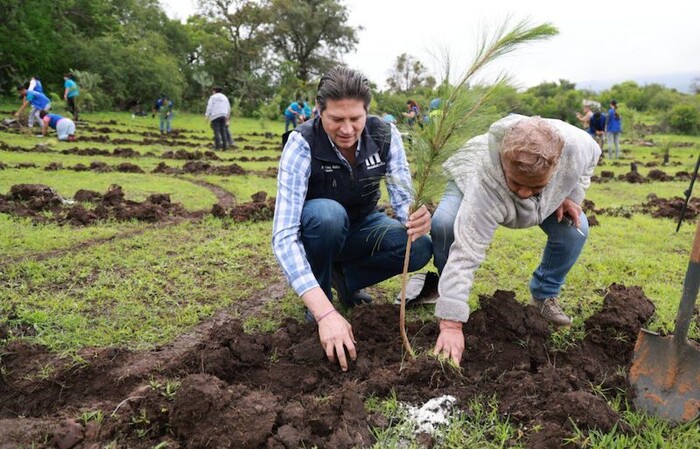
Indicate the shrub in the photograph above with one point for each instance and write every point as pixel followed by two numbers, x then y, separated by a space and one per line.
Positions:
pixel 683 119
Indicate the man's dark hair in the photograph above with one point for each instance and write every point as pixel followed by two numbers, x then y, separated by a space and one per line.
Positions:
pixel 217 89
pixel 43 114
pixel 341 83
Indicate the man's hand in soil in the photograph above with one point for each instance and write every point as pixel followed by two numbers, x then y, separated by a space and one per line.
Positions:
pixel 418 223
pixel 570 208
pixel 336 335
pixel 334 331
pixel 450 342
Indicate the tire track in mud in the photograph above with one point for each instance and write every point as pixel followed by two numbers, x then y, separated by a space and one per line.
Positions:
pixel 226 198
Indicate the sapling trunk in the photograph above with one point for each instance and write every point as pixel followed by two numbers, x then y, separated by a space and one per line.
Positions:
pixel 402 313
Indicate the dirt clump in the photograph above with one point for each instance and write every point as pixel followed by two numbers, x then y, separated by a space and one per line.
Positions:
pixel 100 167
pixel 34 200
pixel 125 152
pixel 126 167
pixel 654 206
pixel 190 155
pixel 633 177
pixel 671 208
pixel 659 175
pixel 53 166
pixel 259 209
pixel 87 196
pixel 33 197
pixel 262 390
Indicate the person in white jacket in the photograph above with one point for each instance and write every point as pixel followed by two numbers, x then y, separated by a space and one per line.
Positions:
pixel 526 171
pixel 218 113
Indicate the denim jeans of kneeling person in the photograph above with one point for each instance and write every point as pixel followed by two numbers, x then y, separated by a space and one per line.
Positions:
pixel 563 247
pixel 366 251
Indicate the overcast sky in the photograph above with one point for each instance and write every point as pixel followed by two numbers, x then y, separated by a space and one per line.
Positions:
pixel 623 40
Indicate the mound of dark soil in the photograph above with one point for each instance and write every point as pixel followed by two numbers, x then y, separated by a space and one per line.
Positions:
pixel 671 208
pixel 633 177
pixel 126 167
pixel 200 167
pixel 260 209
pixel 240 390
pixel 659 175
pixel 36 197
pixel 54 166
pixel 191 155
pixel 34 200
pixel 655 206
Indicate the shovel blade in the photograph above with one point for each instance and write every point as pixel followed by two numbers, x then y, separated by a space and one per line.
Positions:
pixel 665 376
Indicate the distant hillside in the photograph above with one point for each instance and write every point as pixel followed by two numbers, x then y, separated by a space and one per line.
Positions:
pixel 680 81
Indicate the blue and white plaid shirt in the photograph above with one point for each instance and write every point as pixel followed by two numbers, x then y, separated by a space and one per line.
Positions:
pixel 292 185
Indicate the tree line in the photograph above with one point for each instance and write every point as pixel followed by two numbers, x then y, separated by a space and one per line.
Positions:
pixel 130 51
pixel 264 53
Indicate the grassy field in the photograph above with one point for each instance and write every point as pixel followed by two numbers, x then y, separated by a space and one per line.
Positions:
pixel 138 284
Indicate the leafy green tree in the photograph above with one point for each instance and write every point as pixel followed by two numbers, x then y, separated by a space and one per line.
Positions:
pixel 31 43
pixel 133 73
pixel 313 34
pixel 554 100
pixel 234 48
pixel 408 74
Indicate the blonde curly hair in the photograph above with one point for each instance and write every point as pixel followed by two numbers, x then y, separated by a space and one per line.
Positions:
pixel 532 147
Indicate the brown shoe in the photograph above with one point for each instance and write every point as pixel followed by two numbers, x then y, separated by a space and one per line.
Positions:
pixel 551 311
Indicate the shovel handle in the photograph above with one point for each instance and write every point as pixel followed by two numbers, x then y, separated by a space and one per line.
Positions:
pixel 691 284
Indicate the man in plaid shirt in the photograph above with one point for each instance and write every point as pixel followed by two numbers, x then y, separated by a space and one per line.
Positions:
pixel 327 230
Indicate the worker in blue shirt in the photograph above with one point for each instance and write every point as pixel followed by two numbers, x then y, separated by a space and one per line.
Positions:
pixel 38 101
pixel 294 111
pixel 70 94
pixel 164 107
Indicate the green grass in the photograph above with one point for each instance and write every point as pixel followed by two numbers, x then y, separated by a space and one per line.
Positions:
pixel 647 433
pixel 136 186
pixel 140 291
pixel 478 427
pixel 139 285
pixel 244 186
pixel 18 237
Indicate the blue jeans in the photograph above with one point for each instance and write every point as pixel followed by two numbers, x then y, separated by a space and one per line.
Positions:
pixel 219 127
pixel 442 224
pixel 290 120
pixel 614 139
pixel 564 244
pixel 367 251
pixel 165 123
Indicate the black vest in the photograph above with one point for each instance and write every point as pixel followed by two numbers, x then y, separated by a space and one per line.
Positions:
pixel 330 178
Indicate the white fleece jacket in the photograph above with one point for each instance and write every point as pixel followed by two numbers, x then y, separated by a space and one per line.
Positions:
pixel 488 203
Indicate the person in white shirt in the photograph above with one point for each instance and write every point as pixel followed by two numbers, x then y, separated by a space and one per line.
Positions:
pixel 218 113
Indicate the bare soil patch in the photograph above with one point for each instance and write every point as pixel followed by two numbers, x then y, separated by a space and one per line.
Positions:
pixel 43 204
pixel 655 206
pixel 239 390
